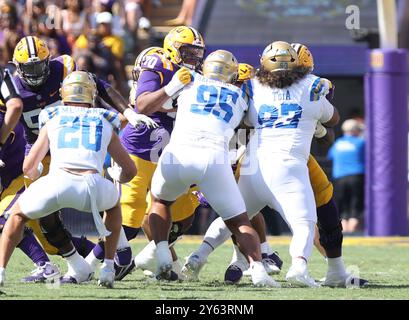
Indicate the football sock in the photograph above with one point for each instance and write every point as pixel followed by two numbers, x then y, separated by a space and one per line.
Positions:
pixel 30 246
pixel 83 245
pixel 217 233
pixel 265 248
pixel 336 265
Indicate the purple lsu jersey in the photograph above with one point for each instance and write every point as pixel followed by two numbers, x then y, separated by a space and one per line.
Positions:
pixel 48 95
pixel 143 142
pixel 12 154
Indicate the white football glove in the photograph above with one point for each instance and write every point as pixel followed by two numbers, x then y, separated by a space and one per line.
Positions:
pixel 114 171
pixel 136 119
pixel 2 164
pixel 320 131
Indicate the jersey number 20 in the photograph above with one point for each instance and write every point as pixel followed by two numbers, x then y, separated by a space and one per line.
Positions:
pixel 88 130
pixel 212 101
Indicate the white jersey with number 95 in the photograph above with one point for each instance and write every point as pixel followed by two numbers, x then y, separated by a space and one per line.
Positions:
pixel 208 112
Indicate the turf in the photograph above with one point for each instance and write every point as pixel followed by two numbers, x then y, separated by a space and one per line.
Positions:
pixel 382 261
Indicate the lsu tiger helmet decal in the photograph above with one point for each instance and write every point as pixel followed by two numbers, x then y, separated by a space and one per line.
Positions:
pixel 185 47
pixel 31 56
pixel 279 56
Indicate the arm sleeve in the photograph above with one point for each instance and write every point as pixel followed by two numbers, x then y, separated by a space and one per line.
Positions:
pixel 113 120
pixel 327 110
pixel 149 81
pixel 8 88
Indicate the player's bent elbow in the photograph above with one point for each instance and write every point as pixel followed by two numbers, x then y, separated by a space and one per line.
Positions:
pixel 143 104
pixel 16 104
pixel 128 173
pixel 334 120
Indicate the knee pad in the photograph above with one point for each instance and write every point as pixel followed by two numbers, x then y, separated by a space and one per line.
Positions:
pixel 54 231
pixel 175 233
pixel 130 232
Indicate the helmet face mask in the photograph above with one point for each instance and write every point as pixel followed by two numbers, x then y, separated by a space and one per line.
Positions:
pixel 192 56
pixel 35 73
pixel 31 56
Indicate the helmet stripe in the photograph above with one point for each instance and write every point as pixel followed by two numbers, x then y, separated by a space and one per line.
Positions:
pixel 195 33
pixel 297 47
pixel 32 50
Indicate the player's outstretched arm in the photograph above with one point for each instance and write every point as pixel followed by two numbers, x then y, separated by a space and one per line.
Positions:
pixel 149 102
pixel 121 157
pixel 32 167
pixel 334 119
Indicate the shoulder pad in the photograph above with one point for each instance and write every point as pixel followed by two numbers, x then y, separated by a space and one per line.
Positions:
pixel 157 63
pixel 68 64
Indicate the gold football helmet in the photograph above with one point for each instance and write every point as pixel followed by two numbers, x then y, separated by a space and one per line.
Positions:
pixel 31 56
pixel 79 87
pixel 185 47
pixel 221 65
pixel 246 72
pixel 305 57
pixel 138 61
pixel 279 56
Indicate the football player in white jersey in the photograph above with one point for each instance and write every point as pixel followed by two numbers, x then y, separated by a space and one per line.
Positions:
pixel 284 112
pixel 209 109
pixel 78 137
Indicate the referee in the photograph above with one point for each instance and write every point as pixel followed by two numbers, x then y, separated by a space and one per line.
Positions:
pixel 10 103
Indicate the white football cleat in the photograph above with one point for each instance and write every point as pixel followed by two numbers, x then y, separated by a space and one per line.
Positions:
pixel 192 267
pixel 259 276
pixel 298 276
pixel 336 280
pixel 164 262
pixel 106 276
pixel 83 274
pixel 177 268
pixel 146 260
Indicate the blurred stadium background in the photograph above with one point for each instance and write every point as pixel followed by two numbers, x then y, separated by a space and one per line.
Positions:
pixel 105 36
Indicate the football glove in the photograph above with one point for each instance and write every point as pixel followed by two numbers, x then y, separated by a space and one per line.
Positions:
pixel 136 119
pixel 180 79
pixel 320 131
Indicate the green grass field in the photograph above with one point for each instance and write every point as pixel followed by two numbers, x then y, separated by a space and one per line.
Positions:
pixel 383 261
